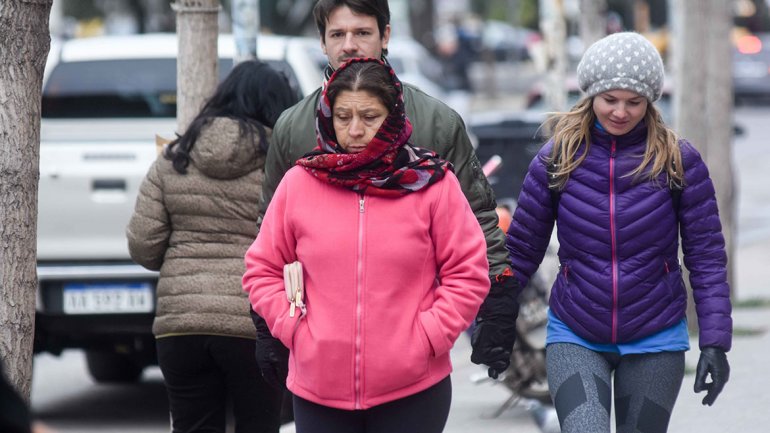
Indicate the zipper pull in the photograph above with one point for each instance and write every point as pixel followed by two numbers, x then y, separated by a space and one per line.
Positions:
pixel 293 308
pixel 361 204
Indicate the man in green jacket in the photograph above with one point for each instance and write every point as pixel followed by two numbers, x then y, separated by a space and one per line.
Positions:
pixel 361 28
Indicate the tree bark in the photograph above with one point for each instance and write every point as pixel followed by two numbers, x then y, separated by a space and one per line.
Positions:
pixel 197 70
pixel 23 53
pixel 703 100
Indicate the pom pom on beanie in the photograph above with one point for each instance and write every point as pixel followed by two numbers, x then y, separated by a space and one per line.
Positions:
pixel 626 61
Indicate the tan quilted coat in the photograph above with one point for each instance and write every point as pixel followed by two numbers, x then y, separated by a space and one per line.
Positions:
pixel 195 229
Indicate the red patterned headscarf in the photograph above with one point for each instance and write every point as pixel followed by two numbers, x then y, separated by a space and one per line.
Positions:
pixel 389 166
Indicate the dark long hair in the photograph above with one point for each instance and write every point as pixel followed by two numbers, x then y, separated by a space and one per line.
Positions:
pixel 253 93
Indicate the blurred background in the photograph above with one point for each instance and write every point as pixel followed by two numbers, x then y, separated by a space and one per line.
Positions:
pixel 485 58
pixel 111 85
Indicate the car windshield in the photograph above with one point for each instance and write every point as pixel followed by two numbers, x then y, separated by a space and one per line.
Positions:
pixel 122 88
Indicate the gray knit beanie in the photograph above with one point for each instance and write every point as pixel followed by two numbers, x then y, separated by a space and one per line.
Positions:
pixel 625 61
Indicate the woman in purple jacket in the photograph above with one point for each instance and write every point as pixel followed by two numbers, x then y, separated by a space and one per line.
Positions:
pixel 621 187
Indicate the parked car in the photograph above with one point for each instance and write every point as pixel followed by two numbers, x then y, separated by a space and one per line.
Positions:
pixel 104 99
pixel 751 68
pixel 415 65
pixel 507 42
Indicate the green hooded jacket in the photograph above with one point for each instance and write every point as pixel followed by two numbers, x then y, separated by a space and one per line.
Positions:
pixel 436 127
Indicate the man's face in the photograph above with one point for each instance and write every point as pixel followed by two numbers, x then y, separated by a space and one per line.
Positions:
pixel 350 35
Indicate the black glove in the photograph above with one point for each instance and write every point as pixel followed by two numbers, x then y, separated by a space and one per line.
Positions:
pixel 712 360
pixel 272 355
pixel 495 331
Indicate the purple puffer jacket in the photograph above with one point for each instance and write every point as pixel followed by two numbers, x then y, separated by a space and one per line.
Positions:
pixel 619 278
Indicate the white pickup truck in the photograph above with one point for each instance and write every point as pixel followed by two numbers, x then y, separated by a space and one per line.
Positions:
pixel 104 100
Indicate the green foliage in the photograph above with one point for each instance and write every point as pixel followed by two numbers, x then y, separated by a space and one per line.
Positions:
pixel 528 15
pixel 498 10
pixel 522 13
pixel 752 303
pixel 479 7
pixel 81 9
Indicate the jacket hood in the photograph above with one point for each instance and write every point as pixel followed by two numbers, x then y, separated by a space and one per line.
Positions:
pixel 221 152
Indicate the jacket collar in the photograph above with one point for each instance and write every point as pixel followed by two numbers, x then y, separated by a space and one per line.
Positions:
pixel 635 136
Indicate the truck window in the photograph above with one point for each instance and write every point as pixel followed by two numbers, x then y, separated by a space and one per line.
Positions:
pixel 127 88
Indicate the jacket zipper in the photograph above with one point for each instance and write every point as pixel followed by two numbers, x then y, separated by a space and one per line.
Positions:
pixel 614 246
pixel 359 288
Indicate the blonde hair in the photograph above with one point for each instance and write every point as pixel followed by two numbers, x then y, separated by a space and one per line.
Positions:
pixel 572 128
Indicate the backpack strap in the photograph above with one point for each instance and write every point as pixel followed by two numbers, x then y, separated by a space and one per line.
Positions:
pixel 555 192
pixel 676 196
pixel 676 187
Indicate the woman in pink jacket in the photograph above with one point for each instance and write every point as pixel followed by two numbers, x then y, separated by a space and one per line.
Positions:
pixel 394 265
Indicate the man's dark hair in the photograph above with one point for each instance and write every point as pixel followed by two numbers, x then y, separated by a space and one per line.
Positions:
pixel 378 9
pixel 370 77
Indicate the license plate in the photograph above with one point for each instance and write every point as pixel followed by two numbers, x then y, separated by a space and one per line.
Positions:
pixel 108 298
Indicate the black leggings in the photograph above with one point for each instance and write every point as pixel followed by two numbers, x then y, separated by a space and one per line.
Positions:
pixel 646 387
pixel 203 372
pixel 424 412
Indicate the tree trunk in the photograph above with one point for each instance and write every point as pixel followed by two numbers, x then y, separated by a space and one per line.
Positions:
pixel 197 70
pixel 23 53
pixel 703 100
pixel 593 24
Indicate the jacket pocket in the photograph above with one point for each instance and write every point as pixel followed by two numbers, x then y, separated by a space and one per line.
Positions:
pixel 673 279
pixel 399 359
pixel 561 287
pixel 322 363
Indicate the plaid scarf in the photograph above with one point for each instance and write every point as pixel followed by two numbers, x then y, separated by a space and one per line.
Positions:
pixel 389 166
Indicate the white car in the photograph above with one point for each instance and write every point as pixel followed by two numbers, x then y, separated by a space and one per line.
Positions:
pixel 414 64
pixel 104 100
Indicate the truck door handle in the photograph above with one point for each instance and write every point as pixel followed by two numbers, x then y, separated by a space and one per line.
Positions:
pixel 109 184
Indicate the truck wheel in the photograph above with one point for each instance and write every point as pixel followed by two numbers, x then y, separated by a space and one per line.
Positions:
pixel 110 367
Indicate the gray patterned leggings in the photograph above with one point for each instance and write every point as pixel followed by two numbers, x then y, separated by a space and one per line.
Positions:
pixel 646 387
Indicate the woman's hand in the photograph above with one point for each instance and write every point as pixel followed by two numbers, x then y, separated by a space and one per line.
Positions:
pixel 495 331
pixel 713 360
pixel 272 356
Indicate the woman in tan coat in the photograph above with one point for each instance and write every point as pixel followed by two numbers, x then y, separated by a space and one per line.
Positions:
pixel 195 217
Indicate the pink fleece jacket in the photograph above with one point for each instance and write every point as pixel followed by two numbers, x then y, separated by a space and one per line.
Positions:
pixel 390 284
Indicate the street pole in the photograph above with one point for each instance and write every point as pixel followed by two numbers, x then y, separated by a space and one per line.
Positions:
pixel 245 18
pixel 197 70
pixel 593 21
pixel 400 21
pixel 554 29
